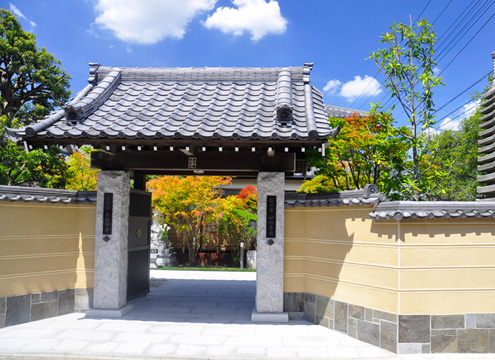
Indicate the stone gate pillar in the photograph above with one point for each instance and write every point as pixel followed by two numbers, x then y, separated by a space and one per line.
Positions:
pixel 270 246
pixel 111 245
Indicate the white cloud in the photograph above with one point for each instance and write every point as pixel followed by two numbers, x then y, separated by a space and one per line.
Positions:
pixel 449 124
pixel 148 22
pixel 470 108
pixel 332 86
pixel 466 111
pixel 360 87
pixel 257 17
pixel 15 10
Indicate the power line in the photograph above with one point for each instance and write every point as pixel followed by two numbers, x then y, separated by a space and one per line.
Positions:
pixel 462 92
pixel 453 111
pixel 462 32
pixel 362 92
pixel 445 8
pixel 367 86
pixel 464 47
pixel 422 11
pixel 472 38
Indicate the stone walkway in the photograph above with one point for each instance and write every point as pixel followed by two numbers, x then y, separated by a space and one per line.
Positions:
pixel 192 315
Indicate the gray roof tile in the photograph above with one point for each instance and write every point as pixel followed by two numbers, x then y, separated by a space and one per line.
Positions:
pixel 204 103
pixel 32 194
pixel 367 196
pixel 399 210
pixel 342 112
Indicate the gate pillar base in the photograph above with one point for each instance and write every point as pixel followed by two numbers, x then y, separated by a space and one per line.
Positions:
pixel 257 317
pixel 109 313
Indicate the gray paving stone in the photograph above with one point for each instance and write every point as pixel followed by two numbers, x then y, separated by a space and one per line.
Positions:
pixel 447 321
pixel 383 315
pixel 325 307
pixel 134 348
pixel 162 349
pixel 352 327
pixel 66 301
pixel 35 298
pixel 48 296
pixel 368 332
pixel 18 310
pixel 83 298
pixel 444 343
pixel 43 310
pixel 310 312
pixel 146 334
pixel 388 336
pixel 485 321
pixel 491 348
pixel 470 321
pixel 414 329
pixel 341 316
pixel 311 298
pixel 368 315
pixel 105 347
pixel 410 348
pixel 2 305
pixel 474 340
pixel 356 312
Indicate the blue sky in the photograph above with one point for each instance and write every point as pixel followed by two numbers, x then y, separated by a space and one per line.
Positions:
pixel 336 35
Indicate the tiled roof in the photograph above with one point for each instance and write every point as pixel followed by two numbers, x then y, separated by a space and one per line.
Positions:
pixel 190 103
pixel 398 210
pixel 342 112
pixel 33 194
pixel 367 196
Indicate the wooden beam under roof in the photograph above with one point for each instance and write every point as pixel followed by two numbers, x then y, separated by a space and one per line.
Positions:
pixel 178 163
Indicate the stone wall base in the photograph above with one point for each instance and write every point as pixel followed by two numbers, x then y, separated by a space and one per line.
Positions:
pixel 402 334
pixel 15 310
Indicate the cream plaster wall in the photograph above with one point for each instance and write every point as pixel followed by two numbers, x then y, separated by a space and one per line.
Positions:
pixel 45 247
pixel 412 267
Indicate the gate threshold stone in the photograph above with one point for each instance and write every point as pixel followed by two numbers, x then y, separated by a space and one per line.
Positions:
pixel 109 313
pixel 257 317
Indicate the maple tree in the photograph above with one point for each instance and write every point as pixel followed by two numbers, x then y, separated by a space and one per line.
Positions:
pixel 249 197
pixel 233 220
pixel 188 204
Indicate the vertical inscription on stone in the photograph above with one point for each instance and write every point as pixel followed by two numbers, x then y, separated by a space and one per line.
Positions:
pixel 271 216
pixel 107 213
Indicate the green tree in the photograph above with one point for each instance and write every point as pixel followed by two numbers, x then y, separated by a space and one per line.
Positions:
pixel 366 151
pixel 41 168
pixel 408 65
pixel 80 175
pixel 457 156
pixel 32 83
